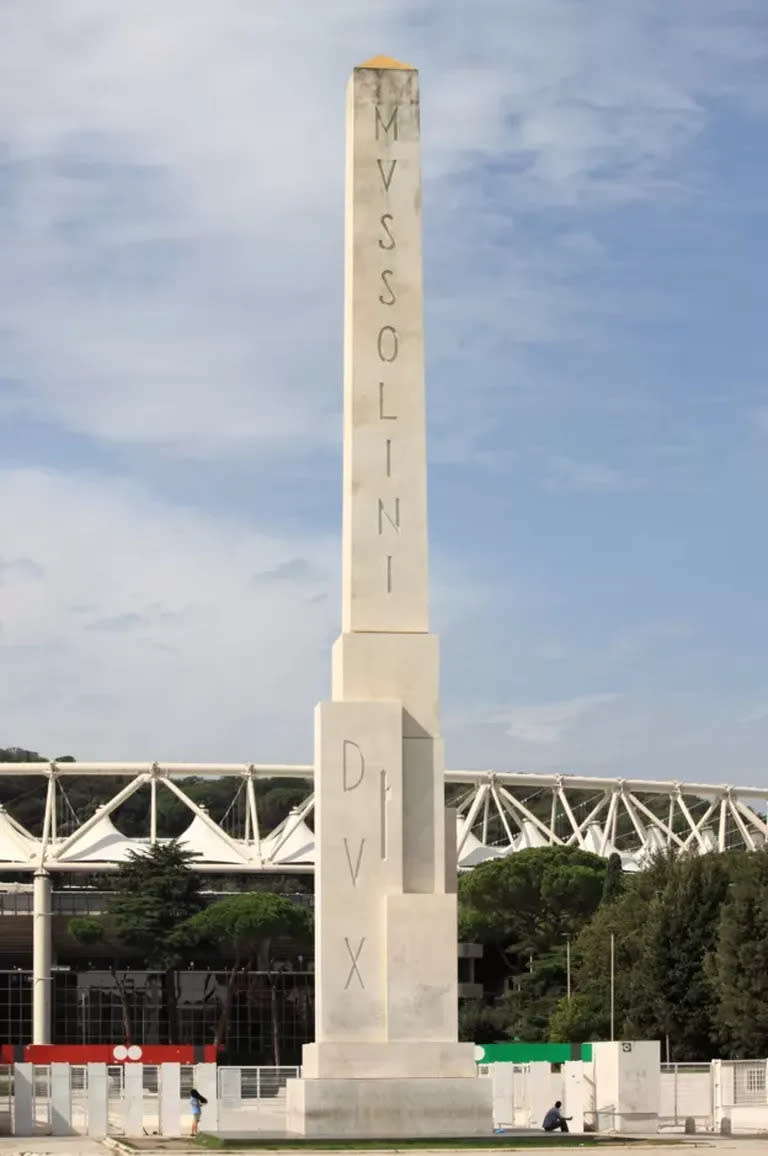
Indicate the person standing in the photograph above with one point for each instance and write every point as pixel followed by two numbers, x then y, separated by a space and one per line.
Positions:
pixel 196 1101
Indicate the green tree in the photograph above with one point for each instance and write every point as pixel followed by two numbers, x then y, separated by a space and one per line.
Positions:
pixel 578 1020
pixel 479 1023
pixel 528 900
pixel 740 961
pixel 154 893
pixel 523 907
pixel 613 883
pixel 672 992
pixel 243 928
pixel 663 923
pixel 623 920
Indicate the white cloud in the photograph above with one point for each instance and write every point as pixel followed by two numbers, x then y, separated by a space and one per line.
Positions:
pixel 150 610
pixel 643 733
pixel 171 224
pixel 568 475
pixel 133 628
pixel 549 722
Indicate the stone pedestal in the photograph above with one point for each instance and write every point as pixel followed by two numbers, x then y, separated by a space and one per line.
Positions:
pixel 386 1061
pixel 390 1107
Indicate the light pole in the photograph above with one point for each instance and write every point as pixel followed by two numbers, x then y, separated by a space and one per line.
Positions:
pixel 568 965
pixel 613 982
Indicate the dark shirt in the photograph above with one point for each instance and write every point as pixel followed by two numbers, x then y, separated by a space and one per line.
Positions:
pixel 552 1118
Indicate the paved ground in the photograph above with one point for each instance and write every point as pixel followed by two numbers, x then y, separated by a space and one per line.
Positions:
pixel 730 1146
pixel 51 1146
pixel 650 1146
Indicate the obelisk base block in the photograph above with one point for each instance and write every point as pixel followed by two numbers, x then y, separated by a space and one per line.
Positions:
pixel 390 1107
pixel 374 1061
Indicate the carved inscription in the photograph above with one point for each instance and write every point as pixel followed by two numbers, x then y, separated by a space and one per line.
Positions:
pixel 354 868
pixel 386 177
pixel 354 955
pixel 384 416
pixel 352 765
pixel 386 126
pixel 384 222
pixel 390 298
pixel 387 343
pixel 393 518
pixel 383 792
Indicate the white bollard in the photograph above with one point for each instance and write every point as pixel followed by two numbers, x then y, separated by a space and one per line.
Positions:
pixel 133 1099
pixel 98 1116
pixel 61 1099
pixel 169 1099
pixel 205 1081
pixel 23 1099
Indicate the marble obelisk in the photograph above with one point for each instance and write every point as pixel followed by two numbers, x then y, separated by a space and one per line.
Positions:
pixel 386 1061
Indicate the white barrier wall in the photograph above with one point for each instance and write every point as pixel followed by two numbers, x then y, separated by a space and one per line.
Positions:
pixel 502 1077
pixel 544 1087
pixel 61 1099
pixel 627 1085
pixel 686 1093
pixel 98 1092
pixel 205 1082
pixel 573 1094
pixel 740 1095
pixel 133 1100
pixel 169 1099
pixel 23 1099
pixel 523 1093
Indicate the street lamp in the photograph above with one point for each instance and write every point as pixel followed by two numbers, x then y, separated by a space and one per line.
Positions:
pixel 613 983
pixel 568 965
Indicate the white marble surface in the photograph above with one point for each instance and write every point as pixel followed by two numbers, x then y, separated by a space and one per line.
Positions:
pixel 390 1107
pixel 386 1059
pixel 385 507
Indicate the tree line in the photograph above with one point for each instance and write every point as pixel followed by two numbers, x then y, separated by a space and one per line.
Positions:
pixel 690 939
pixel 690 933
pixel 690 944
pixel 156 912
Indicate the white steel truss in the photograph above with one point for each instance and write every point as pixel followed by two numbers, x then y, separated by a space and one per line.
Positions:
pixel 498 813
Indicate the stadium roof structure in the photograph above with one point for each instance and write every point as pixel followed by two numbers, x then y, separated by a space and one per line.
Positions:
pixel 497 813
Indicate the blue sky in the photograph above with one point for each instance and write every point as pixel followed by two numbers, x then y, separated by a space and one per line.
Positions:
pixel 171 222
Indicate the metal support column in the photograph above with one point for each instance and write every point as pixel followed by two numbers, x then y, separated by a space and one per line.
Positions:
pixel 42 944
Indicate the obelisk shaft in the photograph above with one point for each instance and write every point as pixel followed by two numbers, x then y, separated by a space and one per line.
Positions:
pixel 385 1060
pixel 384 571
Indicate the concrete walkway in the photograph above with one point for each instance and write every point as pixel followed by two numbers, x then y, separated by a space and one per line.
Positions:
pixel 649 1146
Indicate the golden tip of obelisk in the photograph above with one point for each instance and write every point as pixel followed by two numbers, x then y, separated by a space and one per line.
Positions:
pixel 382 62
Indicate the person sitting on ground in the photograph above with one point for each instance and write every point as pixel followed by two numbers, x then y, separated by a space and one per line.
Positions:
pixel 555 1119
pixel 196 1101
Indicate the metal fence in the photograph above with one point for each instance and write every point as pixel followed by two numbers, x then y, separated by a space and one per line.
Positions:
pixel 686 1093
pixel 749 1082
pixel 253 1098
pixel 6 1098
